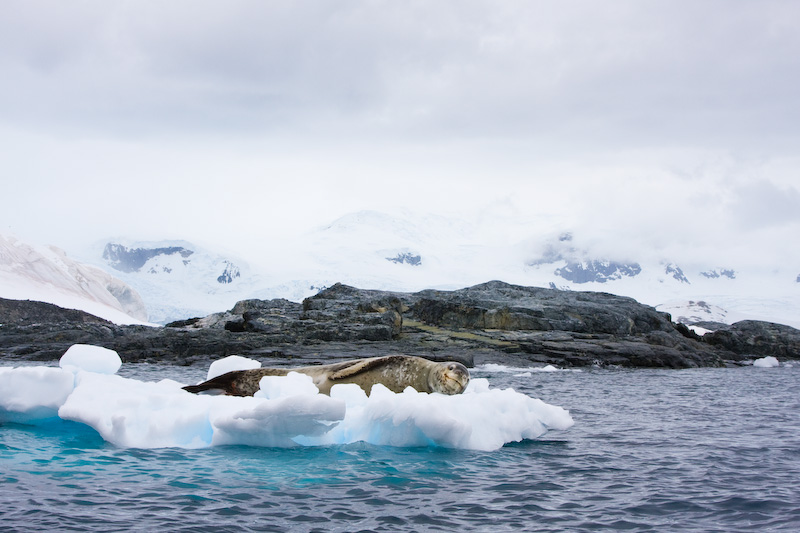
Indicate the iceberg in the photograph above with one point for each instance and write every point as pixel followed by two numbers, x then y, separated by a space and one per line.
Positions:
pixel 287 411
pixel 766 362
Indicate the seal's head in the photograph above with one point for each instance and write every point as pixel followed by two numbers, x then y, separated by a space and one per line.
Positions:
pixel 448 378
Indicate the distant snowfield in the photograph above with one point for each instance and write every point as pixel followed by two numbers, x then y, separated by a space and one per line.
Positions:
pixel 407 252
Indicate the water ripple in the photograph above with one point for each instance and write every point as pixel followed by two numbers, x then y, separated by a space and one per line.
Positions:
pixel 705 450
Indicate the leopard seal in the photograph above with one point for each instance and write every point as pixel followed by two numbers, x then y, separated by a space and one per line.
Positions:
pixel 396 372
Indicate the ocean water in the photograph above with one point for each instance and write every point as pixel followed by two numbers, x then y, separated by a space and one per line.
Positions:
pixel 651 450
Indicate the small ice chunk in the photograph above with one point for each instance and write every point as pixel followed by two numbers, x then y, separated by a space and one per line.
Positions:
pixel 231 363
pixel 91 359
pixel 766 362
pixel 350 393
pixel 292 384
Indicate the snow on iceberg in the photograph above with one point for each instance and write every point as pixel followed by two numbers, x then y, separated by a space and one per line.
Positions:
pixel 287 411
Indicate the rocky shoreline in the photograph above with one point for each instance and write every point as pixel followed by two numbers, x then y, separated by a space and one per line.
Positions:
pixel 491 322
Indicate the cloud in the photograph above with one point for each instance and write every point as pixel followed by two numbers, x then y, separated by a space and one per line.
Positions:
pixel 631 124
pixel 762 204
pixel 575 74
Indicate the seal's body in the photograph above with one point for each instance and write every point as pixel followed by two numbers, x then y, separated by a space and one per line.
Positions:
pixel 395 372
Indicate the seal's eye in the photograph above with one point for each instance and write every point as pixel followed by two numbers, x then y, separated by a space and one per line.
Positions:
pixel 451 367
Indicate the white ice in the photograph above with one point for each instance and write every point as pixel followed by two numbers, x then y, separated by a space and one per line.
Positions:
pixel 766 362
pixel 229 364
pixel 293 384
pixel 90 358
pixel 287 411
pixel 33 394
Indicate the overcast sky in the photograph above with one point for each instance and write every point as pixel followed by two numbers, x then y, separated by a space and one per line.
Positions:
pixel 670 122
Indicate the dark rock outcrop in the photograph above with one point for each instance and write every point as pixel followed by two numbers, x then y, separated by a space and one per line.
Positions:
pixel 406 258
pixel 28 313
pixel 717 273
pixel 490 322
pixel 498 305
pixel 229 273
pixel 757 338
pixel 676 272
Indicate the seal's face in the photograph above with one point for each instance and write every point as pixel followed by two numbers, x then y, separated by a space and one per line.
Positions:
pixel 449 378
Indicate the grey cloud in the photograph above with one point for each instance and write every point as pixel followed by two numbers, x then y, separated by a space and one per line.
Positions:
pixel 762 204
pixel 577 74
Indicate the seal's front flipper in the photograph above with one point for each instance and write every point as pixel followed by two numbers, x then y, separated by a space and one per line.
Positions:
pixel 351 368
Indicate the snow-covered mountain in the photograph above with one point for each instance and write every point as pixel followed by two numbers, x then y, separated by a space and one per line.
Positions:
pixel 408 251
pixel 47 274
pixel 177 279
pixel 690 290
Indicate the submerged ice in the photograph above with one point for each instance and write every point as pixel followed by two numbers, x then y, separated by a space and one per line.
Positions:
pixel 287 411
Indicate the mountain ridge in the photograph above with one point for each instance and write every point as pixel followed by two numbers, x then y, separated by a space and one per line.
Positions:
pixel 48 274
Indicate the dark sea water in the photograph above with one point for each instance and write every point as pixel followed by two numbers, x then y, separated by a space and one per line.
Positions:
pixel 651 450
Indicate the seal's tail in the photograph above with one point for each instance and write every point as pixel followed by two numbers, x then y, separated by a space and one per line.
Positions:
pixel 223 384
pixel 196 388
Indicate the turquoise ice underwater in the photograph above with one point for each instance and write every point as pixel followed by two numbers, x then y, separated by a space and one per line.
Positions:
pixel 651 450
